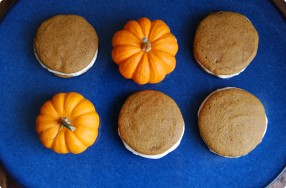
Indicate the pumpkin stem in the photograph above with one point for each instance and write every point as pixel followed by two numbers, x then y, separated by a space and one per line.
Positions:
pixel 146 45
pixel 65 121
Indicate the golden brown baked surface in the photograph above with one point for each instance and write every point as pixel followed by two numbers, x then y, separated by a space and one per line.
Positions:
pixel 232 122
pixel 66 43
pixel 225 43
pixel 150 122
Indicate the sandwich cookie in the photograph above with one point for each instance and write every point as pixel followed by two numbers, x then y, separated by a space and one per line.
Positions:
pixel 225 43
pixel 66 45
pixel 232 122
pixel 150 124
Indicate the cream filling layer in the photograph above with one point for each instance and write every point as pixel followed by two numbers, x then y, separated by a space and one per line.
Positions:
pixel 69 74
pixel 157 156
pixel 201 106
pixel 218 75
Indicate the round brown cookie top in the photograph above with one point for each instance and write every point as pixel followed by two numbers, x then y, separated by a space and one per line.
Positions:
pixel 232 122
pixel 66 43
pixel 150 122
pixel 225 43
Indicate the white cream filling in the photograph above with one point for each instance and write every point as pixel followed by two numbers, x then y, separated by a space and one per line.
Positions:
pixel 69 74
pixel 157 156
pixel 219 75
pixel 201 106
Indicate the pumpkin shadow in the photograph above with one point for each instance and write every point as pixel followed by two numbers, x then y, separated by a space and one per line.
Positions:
pixel 28 112
pixel 105 34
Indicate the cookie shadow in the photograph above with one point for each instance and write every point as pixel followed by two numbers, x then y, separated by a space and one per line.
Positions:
pixel 189 34
pixel 114 111
pixel 193 122
pixel 28 38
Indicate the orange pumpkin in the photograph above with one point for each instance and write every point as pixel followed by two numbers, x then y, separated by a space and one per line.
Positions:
pixel 145 50
pixel 67 123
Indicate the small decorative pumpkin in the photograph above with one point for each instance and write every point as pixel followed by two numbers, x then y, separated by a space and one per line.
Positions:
pixel 67 123
pixel 145 50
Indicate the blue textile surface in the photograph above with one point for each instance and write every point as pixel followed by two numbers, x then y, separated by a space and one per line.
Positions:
pixel 25 86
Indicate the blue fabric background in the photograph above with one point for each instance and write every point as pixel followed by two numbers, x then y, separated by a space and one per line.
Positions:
pixel 25 86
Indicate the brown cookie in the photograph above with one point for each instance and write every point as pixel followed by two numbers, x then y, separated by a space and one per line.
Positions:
pixel 232 122
pixel 150 124
pixel 66 45
pixel 225 43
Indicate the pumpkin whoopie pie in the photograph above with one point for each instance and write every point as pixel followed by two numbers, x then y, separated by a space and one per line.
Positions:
pixel 232 122
pixel 225 43
pixel 150 124
pixel 66 45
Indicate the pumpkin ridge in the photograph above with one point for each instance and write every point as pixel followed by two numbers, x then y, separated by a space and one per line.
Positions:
pixel 160 59
pixel 53 105
pixel 47 115
pixel 59 139
pixel 135 50
pixel 167 43
pixel 68 99
pixel 45 118
pixel 161 51
pixel 45 137
pixel 121 34
pixel 71 136
pixel 150 67
pixel 76 106
pixel 154 41
pixel 137 53
pixel 85 114
pixel 133 35
pixel 127 27
pixel 154 25
pixel 142 23
pixel 87 128
pixel 139 62
pixel 80 139
pixel 157 68
pixel 119 45
pixel 52 139
pixel 47 129
pixel 90 110
pixel 151 29
pixel 170 67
